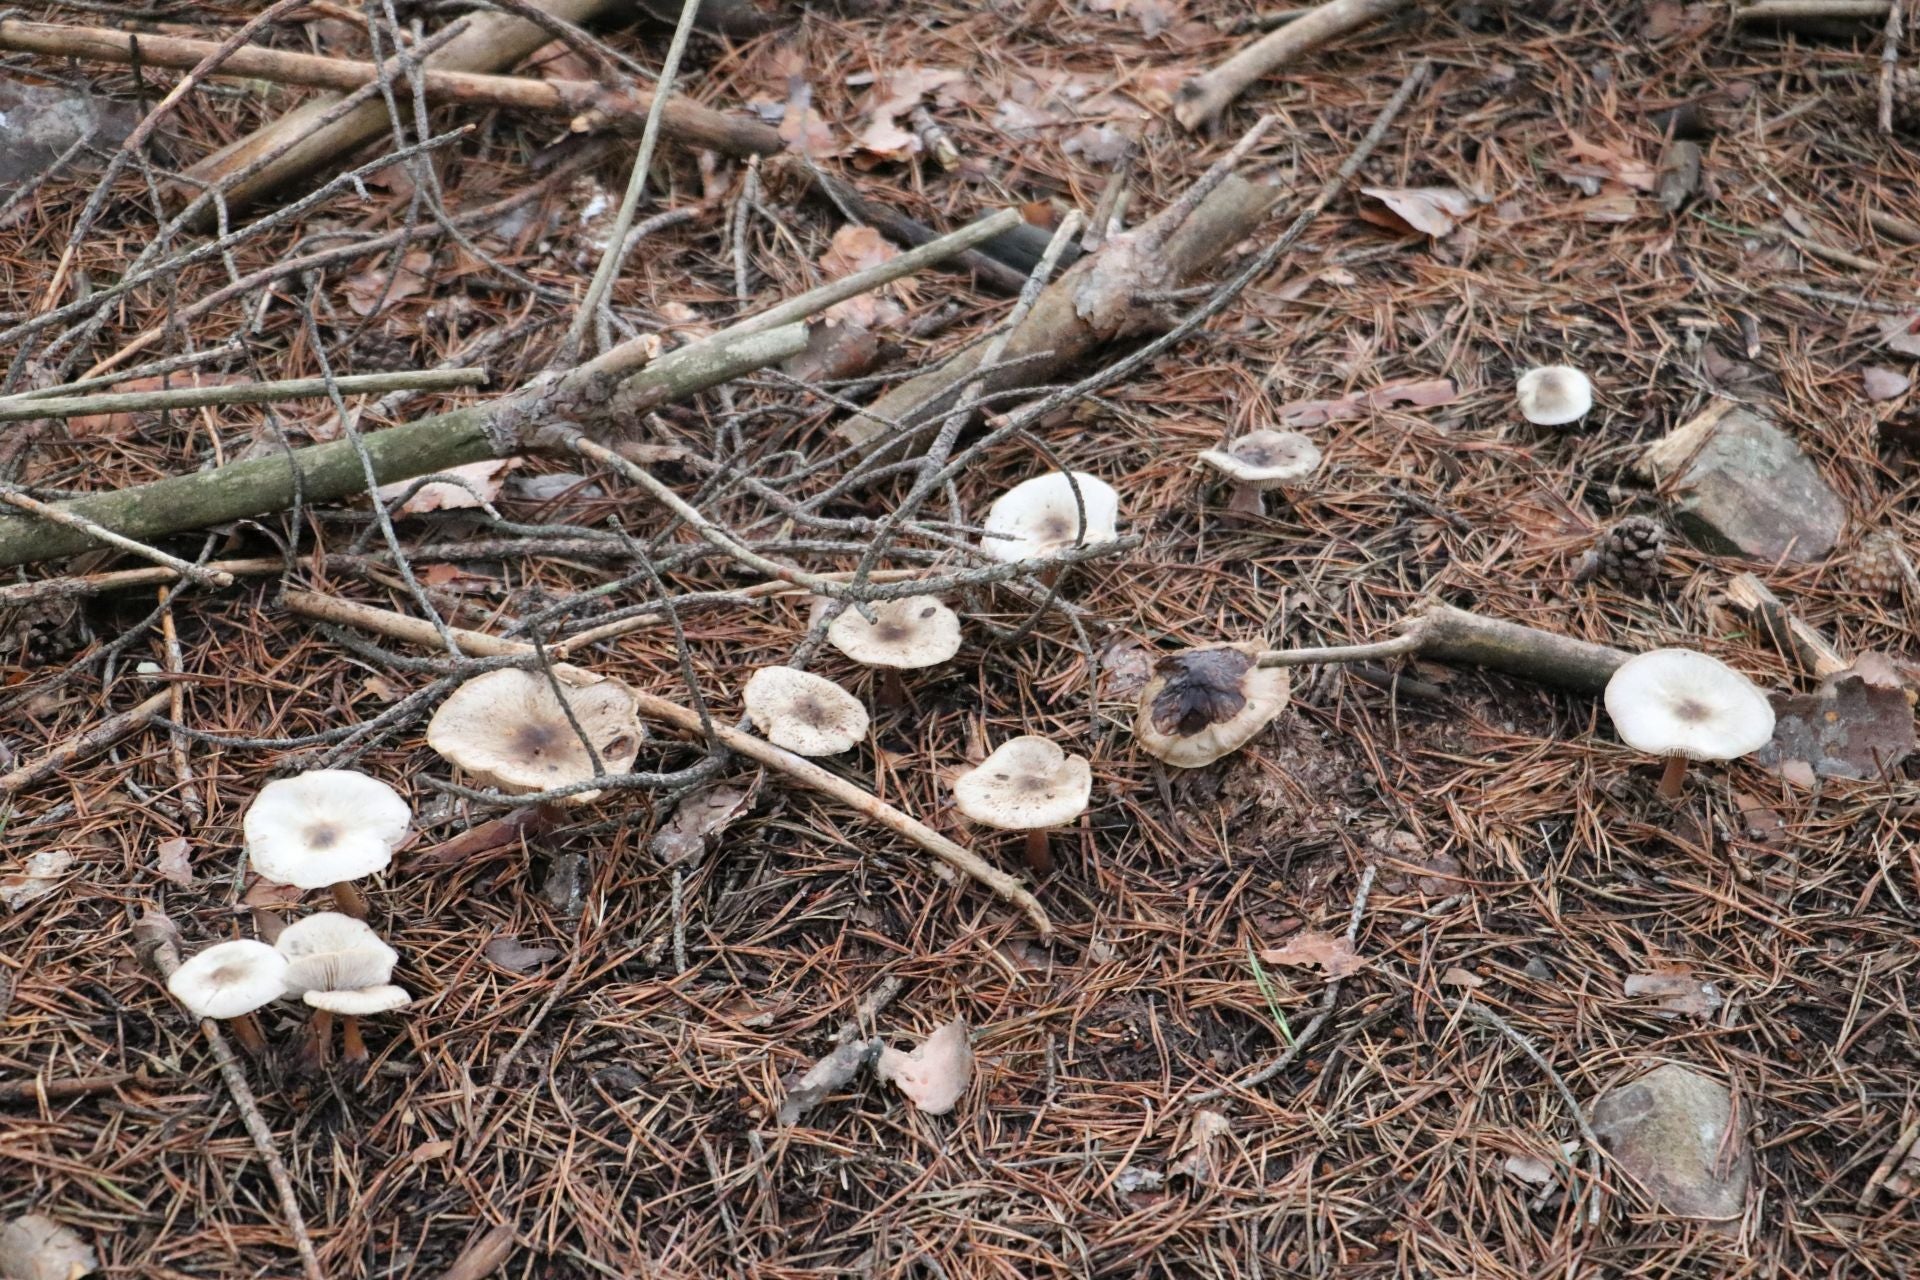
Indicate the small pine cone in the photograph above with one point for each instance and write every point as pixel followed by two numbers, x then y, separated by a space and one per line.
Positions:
pixel 1875 567
pixel 377 351
pixel 1627 555
pixel 1906 100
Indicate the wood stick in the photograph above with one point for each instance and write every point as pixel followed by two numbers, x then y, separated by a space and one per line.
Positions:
pixel 238 393
pixel 1817 10
pixel 420 632
pixel 81 526
pixel 60 1090
pixel 1205 96
pixel 1787 631
pixel 98 738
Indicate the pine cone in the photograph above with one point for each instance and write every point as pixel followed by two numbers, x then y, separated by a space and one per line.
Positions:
pixel 378 351
pixel 1906 100
pixel 1875 567
pixel 1627 555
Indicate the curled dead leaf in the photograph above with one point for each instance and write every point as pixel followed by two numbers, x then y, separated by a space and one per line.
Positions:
pixel 1431 211
pixel 173 859
pixel 35 1247
pixel 1677 990
pixel 1419 393
pixel 1328 951
pixel 516 956
pixel 39 876
pixel 935 1075
pixel 1858 724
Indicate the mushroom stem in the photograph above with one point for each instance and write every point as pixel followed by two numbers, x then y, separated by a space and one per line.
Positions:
pixel 893 690
pixel 318 1046
pixel 354 1049
pixel 1672 776
pixel 1039 852
pixel 246 1029
pixel 1247 501
pixel 350 900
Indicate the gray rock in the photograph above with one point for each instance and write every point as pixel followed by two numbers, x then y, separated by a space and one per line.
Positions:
pixel 39 122
pixel 1740 486
pixel 1673 1131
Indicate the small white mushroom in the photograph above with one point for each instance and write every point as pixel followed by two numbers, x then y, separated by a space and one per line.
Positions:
pixel 918 631
pixel 1554 395
pixel 1686 706
pixel 1206 703
pixel 508 729
pixel 325 829
pixel 228 981
pixel 328 951
pixel 352 1005
pixel 1028 784
pixel 1261 461
pixel 806 714
pixel 1040 517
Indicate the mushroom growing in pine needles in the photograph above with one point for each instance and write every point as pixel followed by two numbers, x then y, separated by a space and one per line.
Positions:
pixel 508 729
pixel 1261 461
pixel 806 714
pixel 230 980
pixel 1555 395
pixel 1042 516
pixel 325 829
pixel 1684 706
pixel 1208 702
pixel 334 956
pixel 907 634
pixel 1028 784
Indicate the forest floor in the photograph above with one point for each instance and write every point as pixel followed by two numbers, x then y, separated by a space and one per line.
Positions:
pixel 606 1091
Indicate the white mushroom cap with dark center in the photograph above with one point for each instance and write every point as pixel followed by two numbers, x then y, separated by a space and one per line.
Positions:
pixel 508 729
pixel 1266 459
pixel 324 827
pixel 806 714
pixel 329 951
pixel 1027 784
pixel 1205 703
pixel 361 1002
pixel 918 631
pixel 1555 395
pixel 1675 702
pixel 229 979
pixel 1038 517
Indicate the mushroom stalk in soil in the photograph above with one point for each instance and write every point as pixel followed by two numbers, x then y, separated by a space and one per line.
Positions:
pixel 1672 778
pixel 353 1049
pixel 1261 461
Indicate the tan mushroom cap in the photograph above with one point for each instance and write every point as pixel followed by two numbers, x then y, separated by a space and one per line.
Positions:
pixel 360 1002
pixel 1266 459
pixel 918 631
pixel 1039 517
pixel 806 714
pixel 508 730
pixel 1208 702
pixel 229 979
pixel 1554 395
pixel 328 951
pixel 1028 784
pixel 324 827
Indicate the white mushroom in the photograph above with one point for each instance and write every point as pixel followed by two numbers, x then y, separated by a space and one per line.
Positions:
pixel 508 729
pixel 352 1005
pixel 1686 706
pixel 229 980
pixel 1205 703
pixel 1261 461
pixel 1039 517
pixel 324 829
pixel 328 951
pixel 918 631
pixel 1028 784
pixel 1555 395
pixel 806 714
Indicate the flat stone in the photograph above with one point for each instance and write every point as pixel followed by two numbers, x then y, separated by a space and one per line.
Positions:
pixel 39 122
pixel 1673 1132
pixel 1741 486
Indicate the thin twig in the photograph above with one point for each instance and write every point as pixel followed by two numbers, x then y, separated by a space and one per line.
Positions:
pixel 237 393
pixel 98 738
pixel 100 533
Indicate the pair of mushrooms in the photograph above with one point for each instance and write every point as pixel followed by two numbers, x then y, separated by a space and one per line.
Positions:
pixel 333 963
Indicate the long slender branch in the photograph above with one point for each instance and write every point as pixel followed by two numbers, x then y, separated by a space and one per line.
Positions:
pixel 238 393
pixel 1205 96
pixel 83 527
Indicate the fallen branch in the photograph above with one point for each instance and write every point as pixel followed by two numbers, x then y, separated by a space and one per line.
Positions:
pixel 155 935
pixel 81 526
pixel 1812 10
pixel 98 738
pixel 480 644
pixel 41 1089
pixel 1442 633
pixel 29 408
pixel 587 397
pixel 1789 633
pixel 1205 96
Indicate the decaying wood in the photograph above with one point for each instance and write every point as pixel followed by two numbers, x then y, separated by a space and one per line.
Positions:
pixel 1201 99
pixel 98 738
pixel 962 859
pixel 26 409
pixel 1790 633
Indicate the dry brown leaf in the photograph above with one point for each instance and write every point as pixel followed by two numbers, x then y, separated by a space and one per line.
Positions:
pixel 935 1075
pixel 451 577
pixel 1665 19
pixel 1859 724
pixel 370 293
pixel 517 956
pixel 884 137
pixel 480 1259
pixel 505 832
pixel 1677 990
pixel 1431 211
pixel 382 688
pixel 174 861
pixel 1328 951
pixel 269 893
pixel 1614 204
pixel 1882 383
pixel 854 249
pixel 1455 976
pixel 1203 1137
pixel 485 476
pixel 39 876
pixel 1901 333
pixel 1613 163
pixel 701 815
pixel 1420 393
pixel 35 1247
pixel 1535 1169
pixel 1125 668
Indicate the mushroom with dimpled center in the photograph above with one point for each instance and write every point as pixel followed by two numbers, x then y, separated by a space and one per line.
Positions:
pixel 509 730
pixel 1261 461
pixel 806 714
pixel 228 981
pixel 906 634
pixel 1028 784
pixel 1554 396
pixel 1686 706
pixel 324 829
pixel 1040 517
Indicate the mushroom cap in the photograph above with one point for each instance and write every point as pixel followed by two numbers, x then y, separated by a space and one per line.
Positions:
pixel 1038 517
pixel 806 714
pixel 359 1002
pixel 324 826
pixel 508 729
pixel 1675 702
pixel 1205 703
pixel 918 631
pixel 1554 395
pixel 229 979
pixel 328 951
pixel 1028 783
pixel 1266 459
